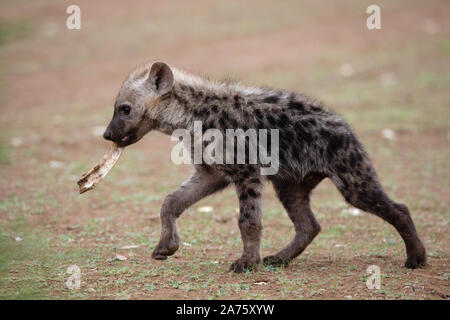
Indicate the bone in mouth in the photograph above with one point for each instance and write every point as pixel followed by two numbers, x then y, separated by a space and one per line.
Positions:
pixel 91 178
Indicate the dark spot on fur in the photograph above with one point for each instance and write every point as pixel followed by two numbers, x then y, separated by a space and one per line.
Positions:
pixel 283 120
pixel 296 105
pixel 181 100
pixel 345 183
pixel 333 124
pixel 254 180
pixel 334 142
pixel 243 196
pixel 359 157
pixel 303 134
pixel 305 123
pixel 259 114
pixel 289 135
pixel 271 99
pixel 352 160
pixel 211 124
pixel 347 198
pixel 316 108
pixel 204 112
pixel 191 90
pixel 252 193
pixel 261 123
pixel 312 122
pixel 271 120
pixel 237 103
pixel 240 181
pixel 285 144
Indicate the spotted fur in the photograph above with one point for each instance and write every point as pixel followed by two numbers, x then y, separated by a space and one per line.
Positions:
pixel 315 143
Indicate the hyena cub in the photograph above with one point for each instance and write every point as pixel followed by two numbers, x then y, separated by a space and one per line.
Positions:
pixel 314 144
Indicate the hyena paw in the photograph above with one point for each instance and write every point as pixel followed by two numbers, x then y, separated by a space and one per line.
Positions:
pixel 243 264
pixel 275 261
pixel 162 251
pixel 416 260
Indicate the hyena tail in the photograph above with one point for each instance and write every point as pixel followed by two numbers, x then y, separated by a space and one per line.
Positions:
pixel 358 183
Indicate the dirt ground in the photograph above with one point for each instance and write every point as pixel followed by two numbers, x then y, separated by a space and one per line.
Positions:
pixel 58 87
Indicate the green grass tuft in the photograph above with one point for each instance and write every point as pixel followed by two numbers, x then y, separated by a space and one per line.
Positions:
pixel 13 31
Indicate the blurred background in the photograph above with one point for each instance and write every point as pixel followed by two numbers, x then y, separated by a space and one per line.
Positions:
pixel 58 87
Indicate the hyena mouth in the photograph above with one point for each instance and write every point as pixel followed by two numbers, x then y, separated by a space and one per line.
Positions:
pixel 125 141
pixel 128 139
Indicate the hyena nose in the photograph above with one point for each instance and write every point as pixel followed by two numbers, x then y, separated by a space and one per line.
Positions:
pixel 107 135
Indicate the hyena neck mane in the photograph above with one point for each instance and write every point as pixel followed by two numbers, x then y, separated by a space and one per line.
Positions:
pixel 195 98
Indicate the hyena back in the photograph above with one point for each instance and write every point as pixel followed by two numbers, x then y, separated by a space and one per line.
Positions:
pixel 314 144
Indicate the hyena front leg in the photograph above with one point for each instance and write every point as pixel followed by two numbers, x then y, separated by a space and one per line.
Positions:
pixel 198 186
pixel 250 224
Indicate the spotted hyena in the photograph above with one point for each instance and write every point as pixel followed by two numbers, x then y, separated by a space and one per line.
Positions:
pixel 314 144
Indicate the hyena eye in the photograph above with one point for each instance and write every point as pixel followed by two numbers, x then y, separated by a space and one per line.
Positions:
pixel 125 109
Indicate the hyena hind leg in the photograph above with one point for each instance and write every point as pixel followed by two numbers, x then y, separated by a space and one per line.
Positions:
pixel 295 199
pixel 363 191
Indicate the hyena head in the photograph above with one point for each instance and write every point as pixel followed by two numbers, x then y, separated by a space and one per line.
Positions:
pixel 141 91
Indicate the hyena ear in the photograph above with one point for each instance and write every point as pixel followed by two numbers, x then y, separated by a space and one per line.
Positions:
pixel 160 78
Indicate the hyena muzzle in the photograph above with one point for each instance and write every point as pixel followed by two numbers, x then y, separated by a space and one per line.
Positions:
pixel 314 144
